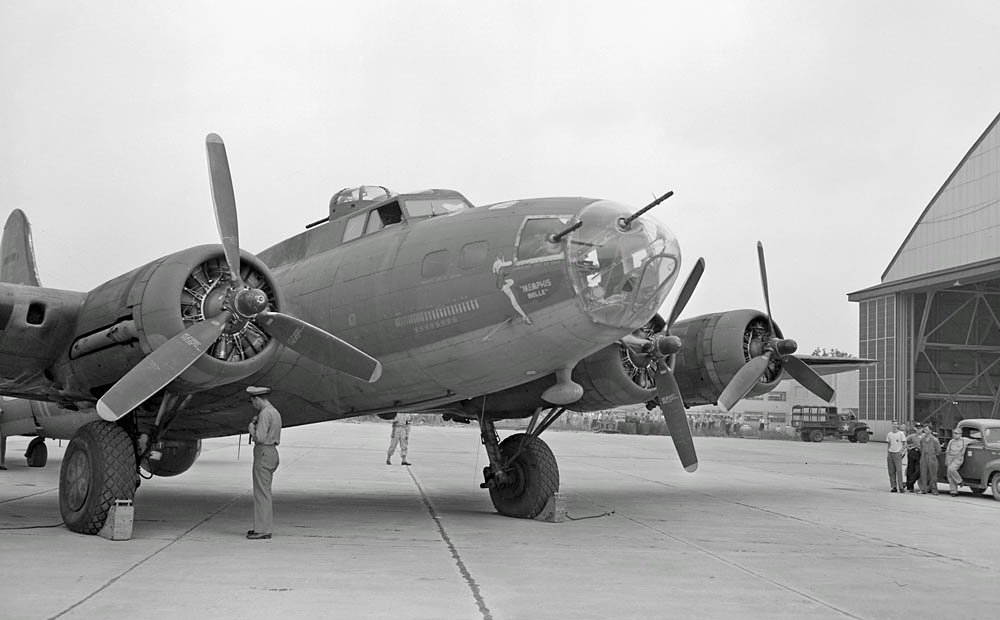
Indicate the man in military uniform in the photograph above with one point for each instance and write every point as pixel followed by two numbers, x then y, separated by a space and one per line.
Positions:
pixel 913 458
pixel 400 436
pixel 265 429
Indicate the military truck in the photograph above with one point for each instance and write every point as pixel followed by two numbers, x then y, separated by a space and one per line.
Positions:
pixel 816 423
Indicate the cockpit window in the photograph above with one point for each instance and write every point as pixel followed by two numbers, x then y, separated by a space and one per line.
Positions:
pixel 355 227
pixel 425 207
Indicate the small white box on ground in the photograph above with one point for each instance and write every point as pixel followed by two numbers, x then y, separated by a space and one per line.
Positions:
pixel 555 509
pixel 118 525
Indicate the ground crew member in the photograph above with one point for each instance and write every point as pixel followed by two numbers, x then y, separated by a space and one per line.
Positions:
pixel 930 448
pixel 401 436
pixel 913 458
pixel 265 429
pixel 894 458
pixel 954 456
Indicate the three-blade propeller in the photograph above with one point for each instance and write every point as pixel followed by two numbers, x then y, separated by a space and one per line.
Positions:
pixel 661 347
pixel 774 350
pixel 243 304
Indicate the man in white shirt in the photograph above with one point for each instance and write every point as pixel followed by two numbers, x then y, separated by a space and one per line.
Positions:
pixel 894 459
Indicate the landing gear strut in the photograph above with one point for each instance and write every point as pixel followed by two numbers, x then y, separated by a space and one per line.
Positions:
pixel 523 473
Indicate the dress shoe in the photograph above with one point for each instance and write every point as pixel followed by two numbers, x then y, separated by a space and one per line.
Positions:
pixel 388 462
pixel 405 463
pixel 250 532
pixel 251 535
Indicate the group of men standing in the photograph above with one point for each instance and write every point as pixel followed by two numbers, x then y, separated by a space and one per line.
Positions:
pixel 921 448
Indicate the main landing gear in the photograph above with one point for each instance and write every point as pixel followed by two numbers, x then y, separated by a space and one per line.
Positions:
pixel 98 468
pixel 523 473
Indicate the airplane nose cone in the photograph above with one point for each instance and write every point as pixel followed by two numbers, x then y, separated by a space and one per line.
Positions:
pixel 621 276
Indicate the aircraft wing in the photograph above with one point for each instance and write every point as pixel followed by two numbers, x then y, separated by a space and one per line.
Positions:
pixel 832 365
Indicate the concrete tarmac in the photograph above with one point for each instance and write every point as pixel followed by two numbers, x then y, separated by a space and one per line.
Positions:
pixel 764 529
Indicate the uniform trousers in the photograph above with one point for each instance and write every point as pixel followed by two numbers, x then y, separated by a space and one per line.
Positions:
pixel 265 461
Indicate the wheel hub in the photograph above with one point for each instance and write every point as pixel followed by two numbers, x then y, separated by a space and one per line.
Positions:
pixel 77 480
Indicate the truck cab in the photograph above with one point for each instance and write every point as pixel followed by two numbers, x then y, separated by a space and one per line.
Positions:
pixel 981 468
pixel 814 423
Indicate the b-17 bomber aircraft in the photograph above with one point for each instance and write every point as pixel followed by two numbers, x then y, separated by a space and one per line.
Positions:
pixel 393 302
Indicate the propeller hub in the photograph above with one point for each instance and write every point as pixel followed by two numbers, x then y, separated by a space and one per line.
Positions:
pixel 249 302
pixel 665 346
pixel 785 347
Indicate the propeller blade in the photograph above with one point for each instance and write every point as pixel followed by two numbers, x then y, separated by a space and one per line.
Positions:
pixel 744 380
pixel 224 200
pixel 160 367
pixel 801 372
pixel 685 295
pixel 674 414
pixel 763 282
pixel 320 346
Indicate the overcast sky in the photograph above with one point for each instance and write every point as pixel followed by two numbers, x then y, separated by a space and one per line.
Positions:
pixel 820 128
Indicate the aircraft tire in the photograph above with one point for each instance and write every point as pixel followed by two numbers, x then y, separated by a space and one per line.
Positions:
pixel 37 453
pixel 534 478
pixel 97 469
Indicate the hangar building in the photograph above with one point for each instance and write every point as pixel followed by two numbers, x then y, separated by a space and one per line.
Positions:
pixel 933 323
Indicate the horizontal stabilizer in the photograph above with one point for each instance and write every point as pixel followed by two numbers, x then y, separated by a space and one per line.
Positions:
pixel 17 254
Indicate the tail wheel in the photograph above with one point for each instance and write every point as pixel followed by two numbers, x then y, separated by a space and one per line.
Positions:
pixel 97 469
pixel 533 477
pixel 37 454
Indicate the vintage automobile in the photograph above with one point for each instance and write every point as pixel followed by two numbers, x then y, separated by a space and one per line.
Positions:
pixel 981 468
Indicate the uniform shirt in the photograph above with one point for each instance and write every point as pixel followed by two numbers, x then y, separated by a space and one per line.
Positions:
pixel 268 431
pixel 895 439
pixel 401 420
pixel 913 441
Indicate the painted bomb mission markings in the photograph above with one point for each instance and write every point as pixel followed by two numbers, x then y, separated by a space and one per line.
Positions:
pixel 436 318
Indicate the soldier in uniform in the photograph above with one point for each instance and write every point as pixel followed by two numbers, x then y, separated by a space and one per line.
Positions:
pixel 400 436
pixel 265 429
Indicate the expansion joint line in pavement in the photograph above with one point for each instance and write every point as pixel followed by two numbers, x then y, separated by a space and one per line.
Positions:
pixel 745 569
pixel 152 555
pixel 834 527
pixel 466 575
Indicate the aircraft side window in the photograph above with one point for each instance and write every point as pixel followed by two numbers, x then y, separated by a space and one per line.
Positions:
pixel 355 227
pixel 533 241
pixel 435 264
pixel 390 214
pixel 473 255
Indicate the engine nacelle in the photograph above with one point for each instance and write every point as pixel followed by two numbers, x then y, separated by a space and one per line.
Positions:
pixel 715 347
pixel 172 456
pixel 125 319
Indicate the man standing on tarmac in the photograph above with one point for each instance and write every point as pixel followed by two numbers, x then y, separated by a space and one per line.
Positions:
pixel 913 458
pixel 401 436
pixel 930 448
pixel 894 459
pixel 265 429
